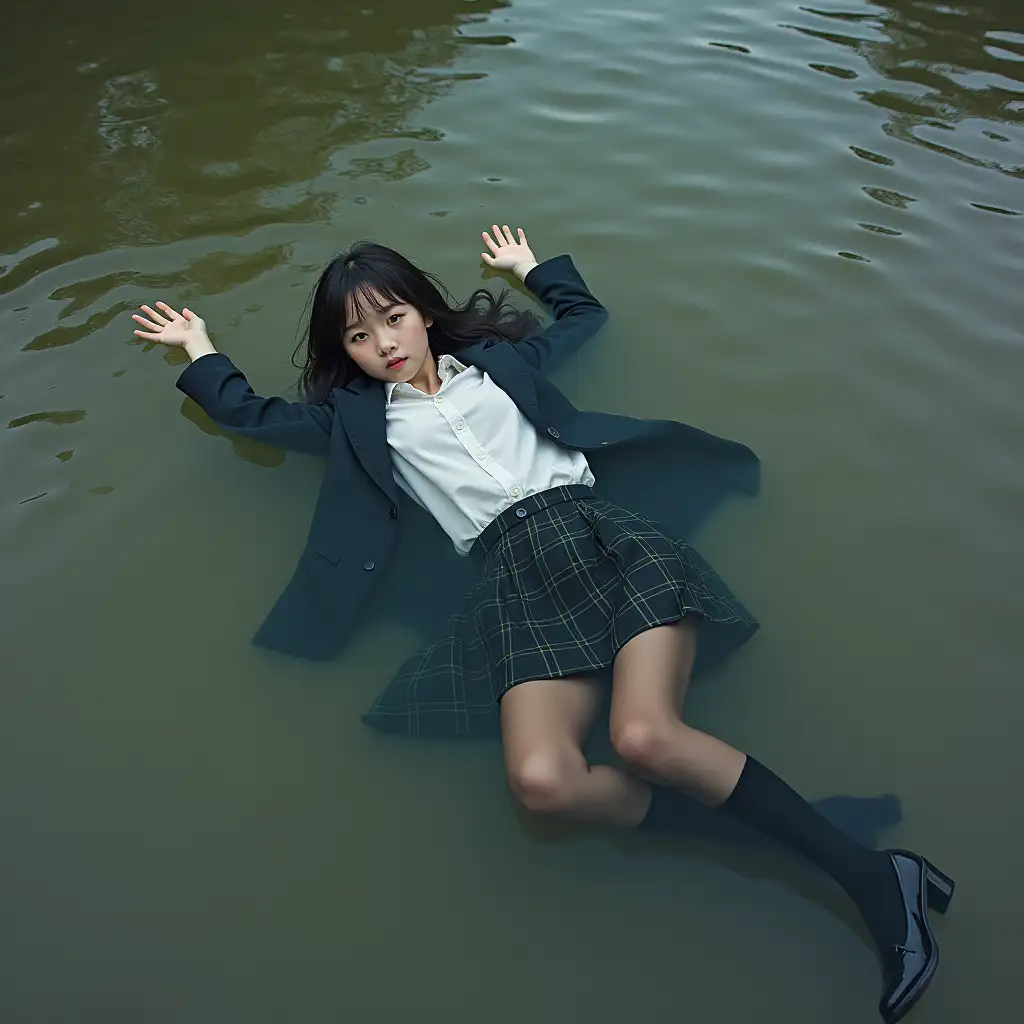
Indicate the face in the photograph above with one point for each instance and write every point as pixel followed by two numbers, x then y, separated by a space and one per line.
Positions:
pixel 390 345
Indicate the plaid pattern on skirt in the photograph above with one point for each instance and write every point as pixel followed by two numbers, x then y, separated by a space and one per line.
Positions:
pixel 567 579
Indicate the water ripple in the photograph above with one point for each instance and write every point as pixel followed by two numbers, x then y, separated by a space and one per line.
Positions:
pixel 58 417
pixel 996 209
pixel 889 197
pixel 944 74
pixel 874 158
pixel 858 321
pixel 834 71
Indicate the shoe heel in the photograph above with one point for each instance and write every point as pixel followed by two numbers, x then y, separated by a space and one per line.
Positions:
pixel 940 888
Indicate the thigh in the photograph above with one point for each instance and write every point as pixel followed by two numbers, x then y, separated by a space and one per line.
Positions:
pixel 651 673
pixel 548 716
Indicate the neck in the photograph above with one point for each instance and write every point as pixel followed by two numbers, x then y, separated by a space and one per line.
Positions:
pixel 426 379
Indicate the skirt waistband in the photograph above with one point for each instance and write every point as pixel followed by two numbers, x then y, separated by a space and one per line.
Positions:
pixel 516 514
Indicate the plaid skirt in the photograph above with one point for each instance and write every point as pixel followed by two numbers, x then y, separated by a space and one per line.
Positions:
pixel 566 580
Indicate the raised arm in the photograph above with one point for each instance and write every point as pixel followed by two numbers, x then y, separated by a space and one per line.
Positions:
pixel 578 316
pixel 556 282
pixel 222 391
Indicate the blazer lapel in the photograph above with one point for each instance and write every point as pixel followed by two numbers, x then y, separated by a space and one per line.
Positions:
pixel 508 370
pixel 361 407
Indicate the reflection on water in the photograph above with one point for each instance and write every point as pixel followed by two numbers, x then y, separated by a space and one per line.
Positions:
pixel 243 447
pixel 59 417
pixel 135 144
pixel 889 197
pixel 92 303
pixel 952 63
pixel 874 158
pixel 169 150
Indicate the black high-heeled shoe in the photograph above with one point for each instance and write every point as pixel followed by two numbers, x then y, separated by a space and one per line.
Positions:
pixel 907 969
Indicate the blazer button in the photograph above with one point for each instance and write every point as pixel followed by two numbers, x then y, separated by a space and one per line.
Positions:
pixel 553 433
pixel 367 566
pixel 393 512
pixel 603 443
pixel 521 512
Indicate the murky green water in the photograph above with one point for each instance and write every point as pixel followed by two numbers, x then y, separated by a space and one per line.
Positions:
pixel 807 226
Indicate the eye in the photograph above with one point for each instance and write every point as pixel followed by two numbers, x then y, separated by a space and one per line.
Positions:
pixel 357 337
pixel 395 316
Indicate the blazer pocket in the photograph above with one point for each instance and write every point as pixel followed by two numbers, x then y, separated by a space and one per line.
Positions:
pixel 327 552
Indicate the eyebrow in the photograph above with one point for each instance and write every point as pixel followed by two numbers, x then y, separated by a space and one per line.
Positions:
pixel 383 312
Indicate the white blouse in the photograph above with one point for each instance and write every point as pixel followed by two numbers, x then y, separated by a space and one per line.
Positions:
pixel 468 453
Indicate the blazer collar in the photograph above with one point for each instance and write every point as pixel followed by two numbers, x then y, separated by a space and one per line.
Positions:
pixel 360 405
pixel 361 384
pixel 508 370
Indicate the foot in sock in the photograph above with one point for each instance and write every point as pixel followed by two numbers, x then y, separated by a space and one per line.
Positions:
pixel 861 818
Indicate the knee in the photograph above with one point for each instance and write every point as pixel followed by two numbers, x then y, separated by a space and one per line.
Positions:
pixel 644 744
pixel 542 784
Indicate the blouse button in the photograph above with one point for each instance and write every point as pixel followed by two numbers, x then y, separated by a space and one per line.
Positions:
pixel 553 433
pixel 393 512
pixel 521 512
pixel 367 566
pixel 459 425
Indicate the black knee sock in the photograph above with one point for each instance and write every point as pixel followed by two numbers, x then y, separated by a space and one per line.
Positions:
pixel 762 800
pixel 862 818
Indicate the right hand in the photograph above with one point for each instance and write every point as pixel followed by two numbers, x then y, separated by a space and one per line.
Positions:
pixel 508 253
pixel 168 327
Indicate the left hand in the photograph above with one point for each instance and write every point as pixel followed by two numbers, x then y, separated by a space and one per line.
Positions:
pixel 507 253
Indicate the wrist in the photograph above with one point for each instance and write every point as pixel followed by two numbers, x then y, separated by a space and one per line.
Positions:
pixel 198 347
pixel 522 269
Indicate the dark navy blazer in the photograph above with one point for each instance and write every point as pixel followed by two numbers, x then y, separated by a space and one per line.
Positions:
pixel 670 471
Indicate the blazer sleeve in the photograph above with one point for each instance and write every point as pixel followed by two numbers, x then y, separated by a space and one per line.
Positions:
pixel 578 316
pixel 224 394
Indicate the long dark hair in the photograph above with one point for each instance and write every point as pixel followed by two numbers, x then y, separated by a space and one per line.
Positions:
pixel 369 273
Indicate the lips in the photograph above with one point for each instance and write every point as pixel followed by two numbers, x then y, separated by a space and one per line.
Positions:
pixel 396 364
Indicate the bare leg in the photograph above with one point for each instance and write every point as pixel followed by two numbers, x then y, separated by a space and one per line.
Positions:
pixel 650 679
pixel 543 725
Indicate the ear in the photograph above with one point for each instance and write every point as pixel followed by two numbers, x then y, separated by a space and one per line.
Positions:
pixel 428 322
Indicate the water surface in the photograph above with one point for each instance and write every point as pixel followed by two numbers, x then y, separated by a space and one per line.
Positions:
pixel 806 222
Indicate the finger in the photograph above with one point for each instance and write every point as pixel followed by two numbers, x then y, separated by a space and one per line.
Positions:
pixel 148 337
pixel 168 310
pixel 488 259
pixel 491 244
pixel 522 237
pixel 159 318
pixel 498 236
pixel 509 237
pixel 154 315
pixel 145 323
pixel 188 314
